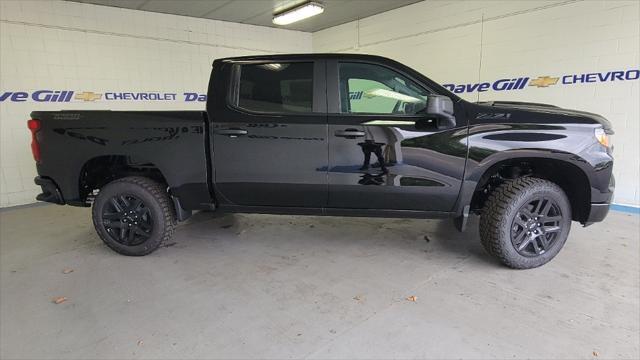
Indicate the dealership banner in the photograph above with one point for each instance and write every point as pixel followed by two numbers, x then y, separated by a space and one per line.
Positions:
pixel 62 96
pixel 504 84
pixel 519 83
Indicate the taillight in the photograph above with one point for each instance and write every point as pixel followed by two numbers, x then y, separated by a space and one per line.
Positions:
pixel 34 126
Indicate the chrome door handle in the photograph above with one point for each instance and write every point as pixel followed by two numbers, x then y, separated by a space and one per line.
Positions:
pixel 349 133
pixel 233 132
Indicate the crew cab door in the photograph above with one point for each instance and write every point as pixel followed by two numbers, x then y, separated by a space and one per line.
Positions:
pixel 270 134
pixel 385 151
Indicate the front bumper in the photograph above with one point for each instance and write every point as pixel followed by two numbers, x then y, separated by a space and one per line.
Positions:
pixel 50 191
pixel 598 211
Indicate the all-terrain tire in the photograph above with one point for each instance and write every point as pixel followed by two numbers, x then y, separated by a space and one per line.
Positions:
pixel 154 209
pixel 502 222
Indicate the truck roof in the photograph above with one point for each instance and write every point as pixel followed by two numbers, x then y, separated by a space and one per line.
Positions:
pixel 308 56
pixel 341 56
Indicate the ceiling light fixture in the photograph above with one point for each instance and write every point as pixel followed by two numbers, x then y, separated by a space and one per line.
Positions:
pixel 298 13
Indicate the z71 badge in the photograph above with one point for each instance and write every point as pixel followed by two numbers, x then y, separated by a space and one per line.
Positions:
pixel 493 116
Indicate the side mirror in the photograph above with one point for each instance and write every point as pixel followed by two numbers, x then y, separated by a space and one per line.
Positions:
pixel 440 108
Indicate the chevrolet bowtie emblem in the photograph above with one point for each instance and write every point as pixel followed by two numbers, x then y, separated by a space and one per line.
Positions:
pixel 543 81
pixel 88 96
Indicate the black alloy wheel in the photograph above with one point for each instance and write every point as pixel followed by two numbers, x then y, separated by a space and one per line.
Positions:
pixel 134 215
pixel 525 222
pixel 536 227
pixel 127 220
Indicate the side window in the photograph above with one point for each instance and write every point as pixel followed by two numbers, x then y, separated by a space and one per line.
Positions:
pixel 276 87
pixel 374 89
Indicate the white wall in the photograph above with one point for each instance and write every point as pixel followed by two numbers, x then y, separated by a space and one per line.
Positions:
pixel 445 40
pixel 80 47
pixel 59 45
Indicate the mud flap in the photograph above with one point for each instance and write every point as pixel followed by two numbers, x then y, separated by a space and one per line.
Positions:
pixel 181 214
pixel 460 222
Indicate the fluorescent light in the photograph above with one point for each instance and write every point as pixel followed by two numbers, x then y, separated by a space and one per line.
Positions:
pixel 298 13
pixel 391 94
pixel 390 122
pixel 274 66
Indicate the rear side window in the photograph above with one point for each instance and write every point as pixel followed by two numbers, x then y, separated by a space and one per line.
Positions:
pixel 275 87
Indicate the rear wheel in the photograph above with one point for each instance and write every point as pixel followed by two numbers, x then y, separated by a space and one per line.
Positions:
pixel 133 215
pixel 525 222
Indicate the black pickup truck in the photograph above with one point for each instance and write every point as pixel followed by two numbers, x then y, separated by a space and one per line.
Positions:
pixel 331 134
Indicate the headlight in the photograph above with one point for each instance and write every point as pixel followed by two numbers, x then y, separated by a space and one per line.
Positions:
pixel 604 138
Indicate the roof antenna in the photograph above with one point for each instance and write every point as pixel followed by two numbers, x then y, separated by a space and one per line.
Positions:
pixel 357 46
pixel 481 45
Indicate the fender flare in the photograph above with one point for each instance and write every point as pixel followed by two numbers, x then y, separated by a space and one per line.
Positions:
pixel 476 174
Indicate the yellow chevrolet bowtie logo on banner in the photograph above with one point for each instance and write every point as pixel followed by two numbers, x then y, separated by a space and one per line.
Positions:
pixel 544 81
pixel 88 96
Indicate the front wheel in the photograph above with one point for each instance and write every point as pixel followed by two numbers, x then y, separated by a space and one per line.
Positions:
pixel 525 222
pixel 133 215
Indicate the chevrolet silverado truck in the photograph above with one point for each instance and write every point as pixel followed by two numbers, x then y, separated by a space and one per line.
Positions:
pixel 331 134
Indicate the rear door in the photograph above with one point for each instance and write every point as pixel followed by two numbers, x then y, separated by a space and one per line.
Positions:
pixel 270 140
pixel 384 151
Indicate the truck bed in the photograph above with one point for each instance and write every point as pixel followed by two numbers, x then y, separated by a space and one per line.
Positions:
pixel 73 145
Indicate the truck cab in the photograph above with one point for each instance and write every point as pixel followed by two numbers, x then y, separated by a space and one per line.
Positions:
pixel 333 134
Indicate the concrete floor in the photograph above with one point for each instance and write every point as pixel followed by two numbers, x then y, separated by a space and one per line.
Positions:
pixel 258 286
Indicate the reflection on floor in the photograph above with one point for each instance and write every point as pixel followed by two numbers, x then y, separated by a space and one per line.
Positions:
pixel 259 286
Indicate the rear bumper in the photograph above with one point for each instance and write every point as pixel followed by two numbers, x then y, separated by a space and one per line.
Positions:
pixel 50 191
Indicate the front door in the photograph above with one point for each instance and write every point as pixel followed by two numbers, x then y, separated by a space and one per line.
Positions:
pixel 270 141
pixel 384 152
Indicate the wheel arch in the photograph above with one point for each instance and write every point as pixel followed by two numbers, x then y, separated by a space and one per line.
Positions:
pixel 101 170
pixel 572 179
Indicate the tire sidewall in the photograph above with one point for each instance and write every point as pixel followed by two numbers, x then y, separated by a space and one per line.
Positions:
pixel 149 201
pixel 548 190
